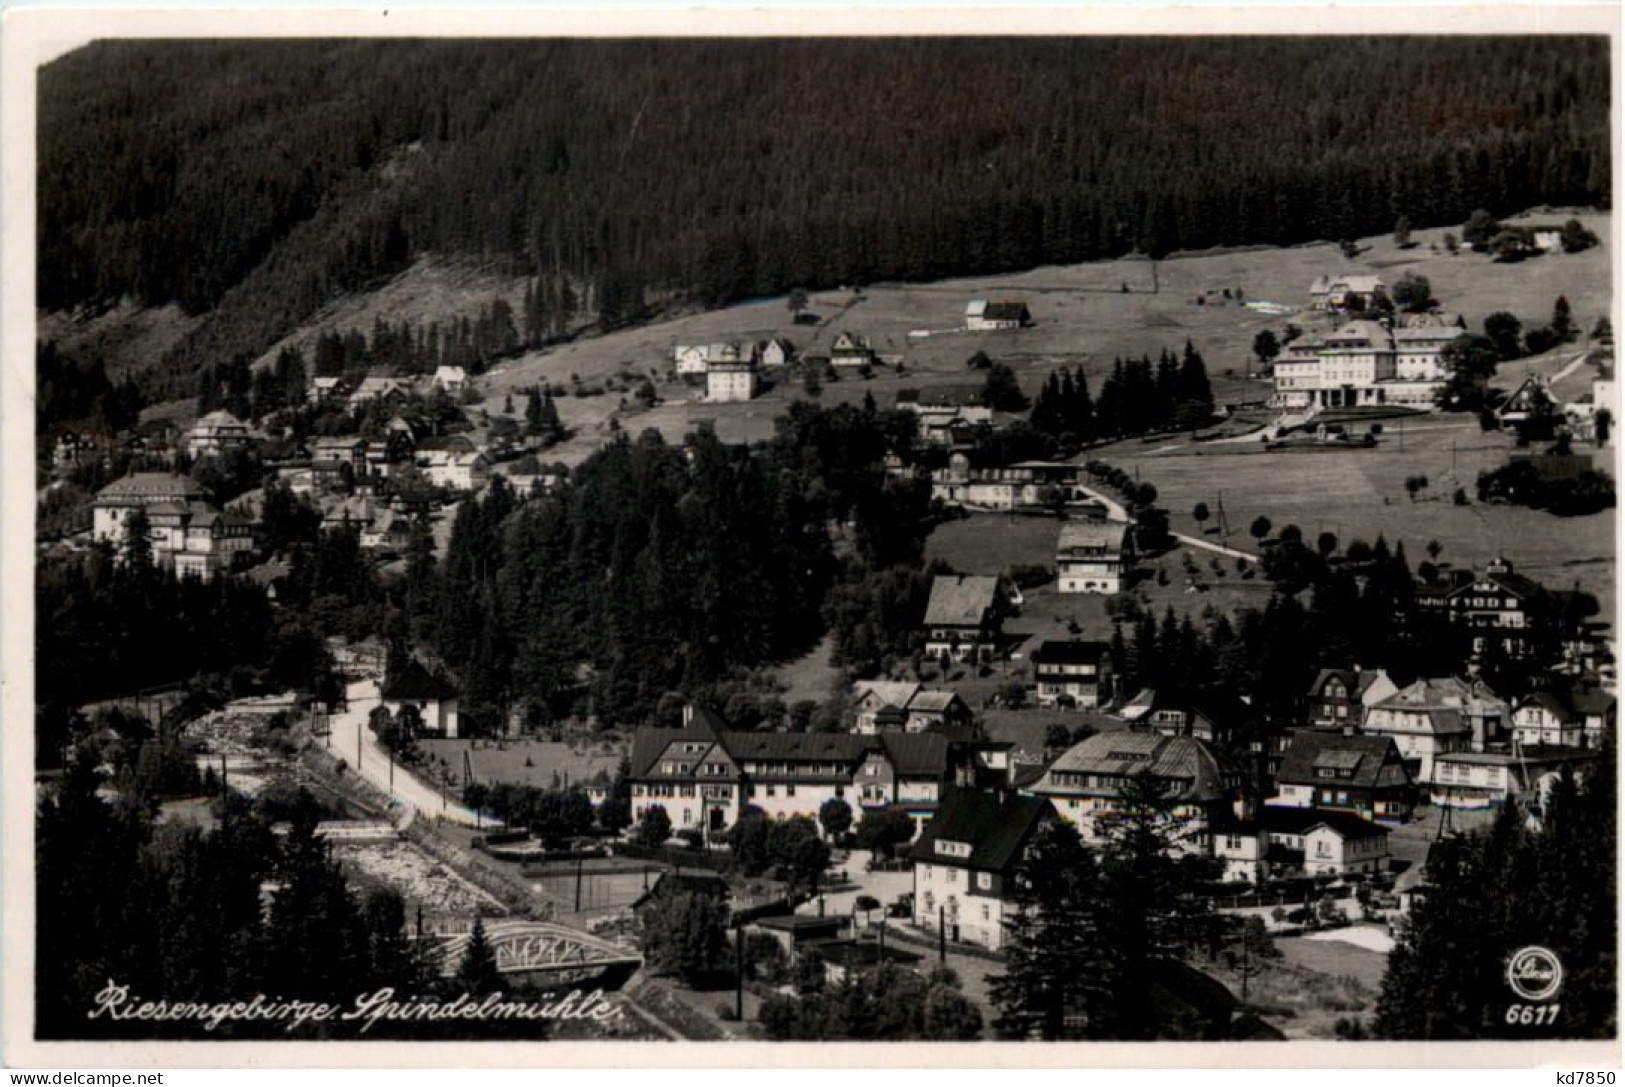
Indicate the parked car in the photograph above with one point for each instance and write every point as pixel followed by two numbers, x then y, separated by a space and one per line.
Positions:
pixel 902 905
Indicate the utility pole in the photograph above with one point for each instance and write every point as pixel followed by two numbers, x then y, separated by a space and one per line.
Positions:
pixel 578 882
pixel 942 935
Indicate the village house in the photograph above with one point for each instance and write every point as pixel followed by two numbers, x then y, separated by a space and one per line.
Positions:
pixel 1530 397
pixel 355 514
pixel 1092 557
pixel 1476 780
pixel 1283 842
pixel 883 705
pixel 348 450
pixel 984 316
pixel 693 360
pixel 388 532
pixel 453 463
pixel 1340 696
pixel 72 450
pixel 1345 293
pixel 1499 605
pixel 114 503
pixel 1086 782
pixel 388 389
pixel 1072 674
pixel 1028 484
pixel 963 618
pixel 323 389
pixel 776 352
pixel 965 863
pixel 450 379
pixel 434 698
pixel 1337 771
pixel 1213 719
pixel 216 433
pixel 1564 715
pixel 730 381
pixel 850 350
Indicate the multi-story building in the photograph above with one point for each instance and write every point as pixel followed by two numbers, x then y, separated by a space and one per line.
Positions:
pixel 1340 696
pixel 1487 779
pixel 730 381
pixel 963 617
pixel 984 316
pixel 1028 483
pixel 1280 842
pixel 1213 719
pixel 965 863
pixel 1499 605
pixel 1092 557
pixel 1565 715
pixel 143 490
pixel 1087 782
pixel 216 433
pixel 705 775
pixel 1434 717
pixel 945 413
pixel 1073 674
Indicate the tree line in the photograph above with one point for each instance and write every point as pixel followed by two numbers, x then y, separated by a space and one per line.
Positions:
pixel 256 182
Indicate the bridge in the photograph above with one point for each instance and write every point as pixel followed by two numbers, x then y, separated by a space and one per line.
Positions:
pixel 545 948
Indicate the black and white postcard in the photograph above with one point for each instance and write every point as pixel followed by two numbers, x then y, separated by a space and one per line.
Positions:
pixel 773 530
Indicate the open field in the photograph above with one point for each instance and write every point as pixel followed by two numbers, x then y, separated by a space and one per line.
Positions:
pixel 1359 494
pixel 528 761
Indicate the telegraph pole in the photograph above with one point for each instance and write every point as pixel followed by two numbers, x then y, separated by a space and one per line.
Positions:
pixel 578 882
pixel 942 935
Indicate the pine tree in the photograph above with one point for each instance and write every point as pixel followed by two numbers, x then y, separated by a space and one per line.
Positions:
pixel 477 973
pixel 1054 954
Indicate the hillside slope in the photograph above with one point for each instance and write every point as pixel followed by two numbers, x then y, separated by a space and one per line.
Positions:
pixel 256 183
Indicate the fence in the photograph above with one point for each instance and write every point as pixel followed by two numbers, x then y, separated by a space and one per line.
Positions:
pixel 685 858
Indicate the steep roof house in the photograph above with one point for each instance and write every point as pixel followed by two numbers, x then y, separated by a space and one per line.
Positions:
pixel 963 617
pixel 965 863
pixel 1337 771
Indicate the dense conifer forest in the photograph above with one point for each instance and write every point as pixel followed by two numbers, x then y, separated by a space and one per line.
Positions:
pixel 256 181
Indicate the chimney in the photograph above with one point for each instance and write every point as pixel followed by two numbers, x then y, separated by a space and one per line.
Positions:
pixel 688 714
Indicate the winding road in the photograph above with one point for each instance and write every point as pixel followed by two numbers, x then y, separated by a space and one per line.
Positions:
pixel 410 796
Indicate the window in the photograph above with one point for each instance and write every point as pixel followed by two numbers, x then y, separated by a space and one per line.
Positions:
pixel 790 789
pixel 1232 842
pixel 987 912
pixel 772 790
pixel 984 880
pixel 688 816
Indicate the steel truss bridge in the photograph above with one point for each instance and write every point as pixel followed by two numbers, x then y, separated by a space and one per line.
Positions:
pixel 544 948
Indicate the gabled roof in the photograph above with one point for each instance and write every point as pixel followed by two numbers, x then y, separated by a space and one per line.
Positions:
pixel 1003 311
pixel 932 701
pixel 218 419
pixel 145 485
pixel 1311 751
pixel 890 692
pixel 995 825
pixel 1088 535
pixel 1070 652
pixel 960 599
pixel 916 754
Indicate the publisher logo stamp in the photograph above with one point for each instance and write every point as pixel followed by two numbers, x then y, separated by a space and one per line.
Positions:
pixel 1534 973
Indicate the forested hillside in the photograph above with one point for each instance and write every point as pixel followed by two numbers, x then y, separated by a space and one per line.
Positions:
pixel 256 181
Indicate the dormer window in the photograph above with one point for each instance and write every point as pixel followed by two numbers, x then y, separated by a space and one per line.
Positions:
pixel 952 849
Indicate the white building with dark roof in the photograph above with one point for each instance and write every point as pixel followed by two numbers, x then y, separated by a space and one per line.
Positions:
pixel 1092 557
